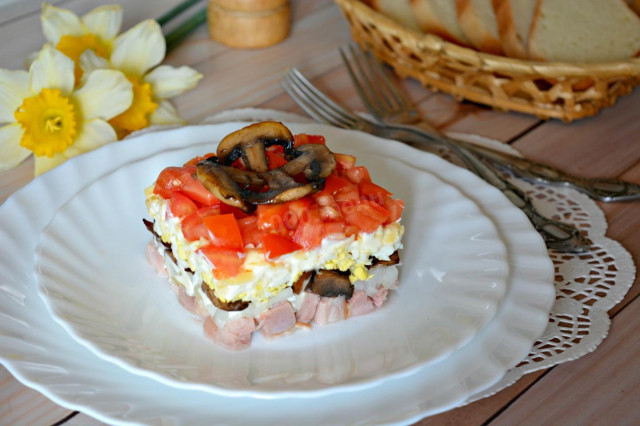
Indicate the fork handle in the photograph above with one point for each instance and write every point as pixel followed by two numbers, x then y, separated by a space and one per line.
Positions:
pixel 606 190
pixel 557 235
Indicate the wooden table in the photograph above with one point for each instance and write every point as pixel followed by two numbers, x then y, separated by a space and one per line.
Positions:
pixel 600 388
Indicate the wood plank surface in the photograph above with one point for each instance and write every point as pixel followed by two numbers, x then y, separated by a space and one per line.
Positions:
pixel 599 388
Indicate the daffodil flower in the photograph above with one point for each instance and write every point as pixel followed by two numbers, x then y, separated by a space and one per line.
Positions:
pixel 51 118
pixel 137 53
pixel 73 35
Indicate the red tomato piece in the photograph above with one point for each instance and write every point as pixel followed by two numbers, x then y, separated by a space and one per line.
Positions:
pixel 344 161
pixel 193 226
pixel 395 208
pixel 181 205
pixel 226 262
pixel 276 149
pixel 303 139
pixel 358 174
pixel 275 218
pixel 276 245
pixel 333 183
pixel 249 230
pixel 275 161
pixel 224 231
pixel 180 179
pixel 368 216
pixel 309 232
pixel 373 192
pixel 236 212
pixel 331 228
pixel 347 194
pixel 196 160
pixel 297 211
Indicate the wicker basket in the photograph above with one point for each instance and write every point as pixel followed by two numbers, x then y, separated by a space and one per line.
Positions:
pixel 567 91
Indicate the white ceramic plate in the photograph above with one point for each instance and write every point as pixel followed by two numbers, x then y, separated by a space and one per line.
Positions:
pixel 96 281
pixel 41 354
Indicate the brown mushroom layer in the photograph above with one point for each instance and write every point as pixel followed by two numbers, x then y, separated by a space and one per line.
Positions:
pixel 245 189
pixel 237 305
pixel 331 283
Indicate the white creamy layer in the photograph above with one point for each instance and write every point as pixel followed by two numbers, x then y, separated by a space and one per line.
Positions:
pixel 263 281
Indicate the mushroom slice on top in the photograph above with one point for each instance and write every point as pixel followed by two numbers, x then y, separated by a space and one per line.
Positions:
pixel 314 160
pixel 250 143
pixel 214 177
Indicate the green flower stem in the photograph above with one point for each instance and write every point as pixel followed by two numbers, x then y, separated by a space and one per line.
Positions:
pixel 184 29
pixel 167 17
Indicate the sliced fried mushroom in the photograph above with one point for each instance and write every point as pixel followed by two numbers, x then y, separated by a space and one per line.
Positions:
pixel 250 143
pixel 314 160
pixel 238 305
pixel 394 259
pixel 219 183
pixel 329 283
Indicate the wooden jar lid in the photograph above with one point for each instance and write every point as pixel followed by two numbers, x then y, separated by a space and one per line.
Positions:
pixel 249 23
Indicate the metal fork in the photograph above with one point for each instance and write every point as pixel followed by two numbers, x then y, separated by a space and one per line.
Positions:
pixel 388 103
pixel 557 235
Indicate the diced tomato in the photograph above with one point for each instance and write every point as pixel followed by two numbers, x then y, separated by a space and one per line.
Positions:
pixel 349 193
pixel 323 199
pixel 328 213
pixel 276 149
pixel 249 230
pixel 275 218
pixel 224 231
pixel 303 139
pixel 297 210
pixel 373 192
pixel 344 161
pixel 350 230
pixel 394 207
pixel 276 245
pixel 193 226
pixel 180 179
pixel 181 205
pixel 358 174
pixel 333 183
pixel 196 160
pixel 309 232
pixel 236 212
pixel 331 228
pixel 367 215
pixel 275 161
pixel 226 262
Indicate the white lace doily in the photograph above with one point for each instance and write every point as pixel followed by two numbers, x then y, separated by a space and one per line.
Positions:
pixel 587 285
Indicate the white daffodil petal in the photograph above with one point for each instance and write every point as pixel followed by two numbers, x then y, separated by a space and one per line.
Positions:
pixel 94 134
pixel 106 94
pixel 165 114
pixel 14 88
pixel 104 21
pixel 51 70
pixel 43 164
pixel 11 153
pixel 167 81
pixel 57 22
pixel 139 49
pixel 90 62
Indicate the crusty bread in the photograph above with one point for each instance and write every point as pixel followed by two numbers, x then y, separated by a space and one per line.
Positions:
pixel 514 19
pixel 635 5
pixel 398 10
pixel 585 31
pixel 478 22
pixel 439 17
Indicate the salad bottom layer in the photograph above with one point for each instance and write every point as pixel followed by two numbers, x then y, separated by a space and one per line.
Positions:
pixel 292 308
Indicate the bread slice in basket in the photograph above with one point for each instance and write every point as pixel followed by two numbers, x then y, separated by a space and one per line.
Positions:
pixel 514 19
pixel 585 31
pixel 440 17
pixel 478 22
pixel 398 10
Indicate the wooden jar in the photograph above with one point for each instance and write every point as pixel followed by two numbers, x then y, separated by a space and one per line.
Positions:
pixel 249 23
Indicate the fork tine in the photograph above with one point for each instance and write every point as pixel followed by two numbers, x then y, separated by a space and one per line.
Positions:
pixel 371 101
pixel 398 95
pixel 320 103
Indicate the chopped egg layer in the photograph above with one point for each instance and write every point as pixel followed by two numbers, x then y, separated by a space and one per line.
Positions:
pixel 261 281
